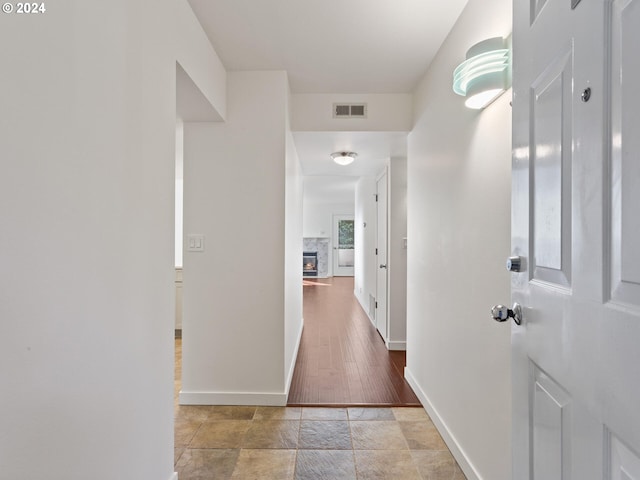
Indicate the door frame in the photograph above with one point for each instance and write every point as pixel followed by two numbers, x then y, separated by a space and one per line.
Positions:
pixel 382 256
pixel 337 270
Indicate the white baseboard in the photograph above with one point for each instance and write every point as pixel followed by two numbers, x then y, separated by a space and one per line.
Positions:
pixel 174 476
pixel 244 398
pixel 293 360
pixel 456 450
pixel 397 346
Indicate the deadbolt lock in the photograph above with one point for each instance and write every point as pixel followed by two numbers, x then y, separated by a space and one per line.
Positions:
pixel 514 264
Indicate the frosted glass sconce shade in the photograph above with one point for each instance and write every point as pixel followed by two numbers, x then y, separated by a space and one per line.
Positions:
pixel 484 75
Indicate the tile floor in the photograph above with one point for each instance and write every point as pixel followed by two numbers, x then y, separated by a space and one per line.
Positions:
pixel 300 443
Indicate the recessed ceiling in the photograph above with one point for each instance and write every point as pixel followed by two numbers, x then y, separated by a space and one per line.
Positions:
pixel 331 46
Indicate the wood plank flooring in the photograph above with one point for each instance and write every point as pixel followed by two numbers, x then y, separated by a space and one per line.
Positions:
pixel 342 359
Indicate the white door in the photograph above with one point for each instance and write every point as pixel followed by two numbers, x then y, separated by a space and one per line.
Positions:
pixel 576 225
pixel 381 249
pixel 343 252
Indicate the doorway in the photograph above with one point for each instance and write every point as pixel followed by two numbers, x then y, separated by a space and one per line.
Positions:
pixel 343 245
pixel 179 202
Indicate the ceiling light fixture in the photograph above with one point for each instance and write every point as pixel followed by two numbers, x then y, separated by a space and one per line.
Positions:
pixel 344 158
pixel 484 75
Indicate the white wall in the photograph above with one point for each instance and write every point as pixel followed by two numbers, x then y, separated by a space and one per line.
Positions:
pixel 397 254
pixel 87 133
pixel 237 176
pixel 318 217
pixel 459 168
pixel 293 258
pixel 365 242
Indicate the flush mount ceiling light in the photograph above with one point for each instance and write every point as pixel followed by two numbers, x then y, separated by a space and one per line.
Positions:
pixel 344 158
pixel 484 75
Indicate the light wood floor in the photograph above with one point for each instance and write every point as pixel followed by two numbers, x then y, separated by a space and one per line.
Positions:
pixel 342 359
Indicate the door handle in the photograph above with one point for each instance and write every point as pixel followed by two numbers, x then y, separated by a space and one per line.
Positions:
pixel 382 265
pixel 500 313
pixel 515 264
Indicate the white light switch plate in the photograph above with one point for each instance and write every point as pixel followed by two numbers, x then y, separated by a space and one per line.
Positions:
pixel 195 243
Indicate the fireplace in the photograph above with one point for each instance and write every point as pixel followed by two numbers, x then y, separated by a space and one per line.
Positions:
pixel 309 264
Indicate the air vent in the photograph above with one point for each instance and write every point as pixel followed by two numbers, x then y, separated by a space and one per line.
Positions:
pixel 358 110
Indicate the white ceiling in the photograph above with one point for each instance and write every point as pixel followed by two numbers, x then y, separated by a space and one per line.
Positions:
pixel 329 189
pixel 326 181
pixel 373 149
pixel 333 46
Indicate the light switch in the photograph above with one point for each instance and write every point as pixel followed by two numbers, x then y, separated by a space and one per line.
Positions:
pixel 195 242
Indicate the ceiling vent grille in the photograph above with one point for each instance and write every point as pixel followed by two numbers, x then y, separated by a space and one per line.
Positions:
pixel 358 110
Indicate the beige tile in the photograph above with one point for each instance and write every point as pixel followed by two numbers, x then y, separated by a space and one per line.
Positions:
pixel 184 431
pixel 458 474
pixel 385 465
pixel 377 435
pixel 272 434
pixel 192 412
pixel 325 464
pixel 370 414
pixel 207 464
pixel 325 434
pixel 278 413
pixel 177 453
pixel 422 436
pixel 434 465
pixel 265 464
pixel 224 412
pixel 410 414
pixel 221 434
pixel 324 414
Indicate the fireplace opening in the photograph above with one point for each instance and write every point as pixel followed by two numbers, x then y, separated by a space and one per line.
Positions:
pixel 309 264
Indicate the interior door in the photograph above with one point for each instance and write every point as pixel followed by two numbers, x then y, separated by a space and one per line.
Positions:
pixel 343 251
pixel 575 224
pixel 381 242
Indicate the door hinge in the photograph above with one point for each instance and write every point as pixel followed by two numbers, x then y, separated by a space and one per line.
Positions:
pixel 376 195
pixel 376 304
pixel 376 251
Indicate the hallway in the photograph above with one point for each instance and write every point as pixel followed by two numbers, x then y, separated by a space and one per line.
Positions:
pixel 307 443
pixel 342 359
pixel 342 364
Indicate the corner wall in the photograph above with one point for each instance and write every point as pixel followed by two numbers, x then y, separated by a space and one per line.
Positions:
pixel 87 132
pixel 293 254
pixel 239 187
pixel 459 165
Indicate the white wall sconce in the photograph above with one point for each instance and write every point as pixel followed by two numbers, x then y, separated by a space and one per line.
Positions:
pixel 485 74
pixel 344 158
